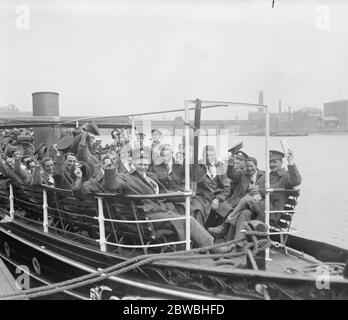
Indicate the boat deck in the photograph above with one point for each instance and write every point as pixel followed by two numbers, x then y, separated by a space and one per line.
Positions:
pixel 281 262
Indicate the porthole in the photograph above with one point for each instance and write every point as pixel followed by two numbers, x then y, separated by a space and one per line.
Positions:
pixel 36 265
pixel 7 249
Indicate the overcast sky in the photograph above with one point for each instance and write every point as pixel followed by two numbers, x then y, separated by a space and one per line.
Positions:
pixel 117 57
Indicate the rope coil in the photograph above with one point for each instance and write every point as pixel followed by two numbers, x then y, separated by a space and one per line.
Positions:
pixel 127 266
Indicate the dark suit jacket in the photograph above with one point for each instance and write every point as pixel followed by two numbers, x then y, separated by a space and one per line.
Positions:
pixel 281 179
pixel 208 189
pixel 63 178
pixel 173 181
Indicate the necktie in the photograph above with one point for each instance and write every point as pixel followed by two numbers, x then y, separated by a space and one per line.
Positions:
pixel 153 184
pixel 212 171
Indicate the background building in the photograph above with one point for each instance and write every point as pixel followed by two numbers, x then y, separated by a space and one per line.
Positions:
pixel 339 110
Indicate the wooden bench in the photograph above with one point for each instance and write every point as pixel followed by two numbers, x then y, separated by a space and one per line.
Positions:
pixel 283 224
pixel 122 208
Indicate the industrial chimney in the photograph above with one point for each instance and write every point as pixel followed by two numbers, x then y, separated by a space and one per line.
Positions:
pixel 45 104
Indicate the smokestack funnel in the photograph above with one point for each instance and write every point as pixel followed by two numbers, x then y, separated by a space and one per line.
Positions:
pixel 45 104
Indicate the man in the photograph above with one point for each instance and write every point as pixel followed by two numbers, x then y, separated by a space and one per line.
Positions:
pixel 64 162
pixel 244 177
pixel 84 185
pixel 44 174
pixel 145 183
pixel 140 139
pixel 155 146
pixel 254 173
pixel 11 168
pixel 213 186
pixel 125 163
pixel 64 167
pixel 169 173
pixel 179 157
pixel 253 207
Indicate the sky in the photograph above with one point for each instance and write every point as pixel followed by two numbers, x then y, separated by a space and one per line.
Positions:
pixel 119 57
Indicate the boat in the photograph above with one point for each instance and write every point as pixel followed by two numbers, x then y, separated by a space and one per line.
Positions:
pixel 104 247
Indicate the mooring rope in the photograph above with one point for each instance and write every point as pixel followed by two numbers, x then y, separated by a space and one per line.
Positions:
pixel 127 266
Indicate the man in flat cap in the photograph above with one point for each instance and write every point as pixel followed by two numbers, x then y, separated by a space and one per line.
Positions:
pixel 142 182
pixel 213 186
pixel 253 207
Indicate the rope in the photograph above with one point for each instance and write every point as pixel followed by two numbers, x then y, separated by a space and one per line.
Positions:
pixel 123 267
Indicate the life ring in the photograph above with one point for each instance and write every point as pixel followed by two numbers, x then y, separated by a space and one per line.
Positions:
pixel 36 265
pixel 7 249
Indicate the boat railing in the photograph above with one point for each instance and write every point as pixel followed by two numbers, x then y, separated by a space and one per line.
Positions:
pixel 170 196
pixel 283 227
pixel 54 199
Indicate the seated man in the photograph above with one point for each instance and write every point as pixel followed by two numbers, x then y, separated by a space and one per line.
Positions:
pixel 44 174
pixel 64 167
pixel 11 168
pixel 213 186
pixel 243 182
pixel 86 185
pixel 169 173
pixel 144 183
pixel 253 207
pixel 124 162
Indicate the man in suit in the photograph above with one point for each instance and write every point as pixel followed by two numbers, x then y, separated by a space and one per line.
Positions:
pixel 213 186
pixel 145 183
pixel 169 173
pixel 64 163
pixel 124 162
pixel 44 174
pixel 253 206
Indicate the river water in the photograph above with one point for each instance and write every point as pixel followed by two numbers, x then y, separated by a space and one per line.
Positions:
pixel 322 210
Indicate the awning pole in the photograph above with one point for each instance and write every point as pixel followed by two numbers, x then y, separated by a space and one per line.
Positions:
pixel 133 132
pixel 187 175
pixel 267 182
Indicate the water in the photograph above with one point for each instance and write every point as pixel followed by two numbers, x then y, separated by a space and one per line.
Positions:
pixel 322 211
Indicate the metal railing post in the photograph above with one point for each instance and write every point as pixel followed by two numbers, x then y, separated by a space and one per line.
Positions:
pixel 102 238
pixel 133 133
pixel 45 211
pixel 267 182
pixel 187 177
pixel 11 197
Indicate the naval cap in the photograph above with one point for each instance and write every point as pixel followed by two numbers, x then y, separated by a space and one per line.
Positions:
pixel 241 155
pixel 236 148
pixel 276 155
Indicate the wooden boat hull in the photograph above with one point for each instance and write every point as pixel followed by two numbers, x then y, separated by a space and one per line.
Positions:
pixel 60 259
